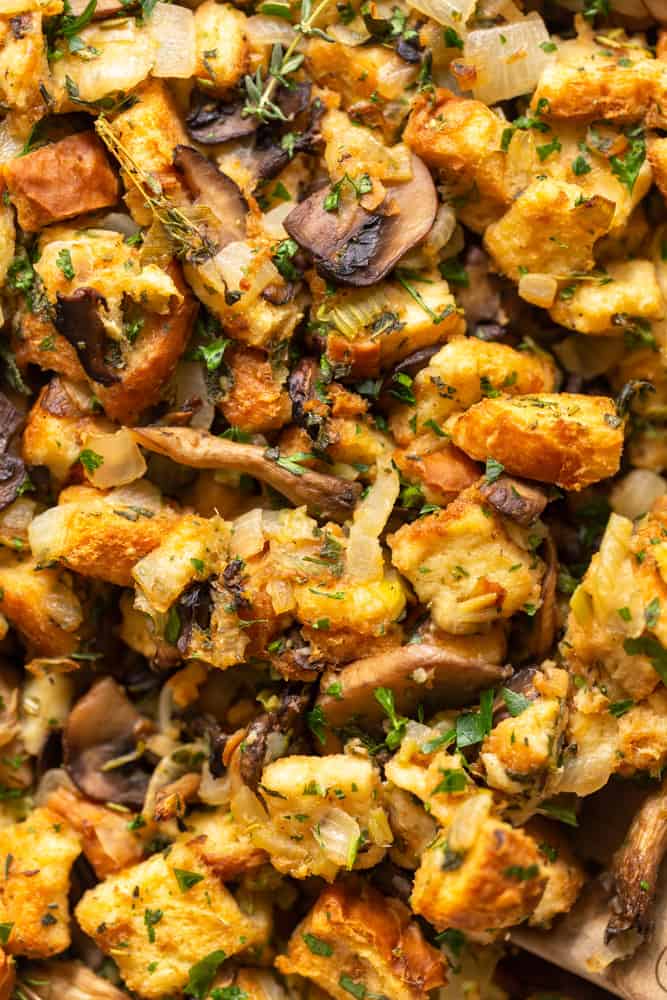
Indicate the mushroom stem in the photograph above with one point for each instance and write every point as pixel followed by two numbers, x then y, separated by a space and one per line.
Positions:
pixel 325 496
pixel 635 867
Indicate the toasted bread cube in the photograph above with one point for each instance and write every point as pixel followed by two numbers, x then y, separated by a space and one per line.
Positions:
pixel 549 229
pixel 461 138
pixel 39 853
pixel 520 750
pixel 222 46
pixel 465 565
pixel 464 371
pixel 61 180
pixel 7 976
pixel 642 737
pixel 150 130
pixel 156 930
pixel 355 937
pixel 657 154
pixel 493 883
pixel 564 872
pixel 194 549
pixel 256 402
pixel 593 308
pixel 223 843
pixel 56 430
pixel 41 605
pixel 319 808
pixel 592 81
pixel 357 72
pixel 23 67
pixel 99 535
pixel 566 439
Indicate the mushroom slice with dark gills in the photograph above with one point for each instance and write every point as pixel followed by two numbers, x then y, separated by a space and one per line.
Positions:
pixel 77 318
pixel 269 736
pixel 12 469
pixel 212 189
pixel 352 246
pixel 102 746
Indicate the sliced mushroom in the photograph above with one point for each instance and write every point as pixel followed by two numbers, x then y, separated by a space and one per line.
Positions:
pixel 10 421
pixel 521 501
pixel 211 121
pixel 12 469
pixel 635 867
pixel 213 189
pixel 411 365
pixel 521 682
pixel 308 411
pixel 325 496
pixel 103 728
pixel 438 672
pixel 356 247
pixel 77 318
pixel 270 735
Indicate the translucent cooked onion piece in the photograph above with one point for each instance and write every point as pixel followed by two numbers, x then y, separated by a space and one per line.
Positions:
pixel 122 461
pixel 508 60
pixel 454 13
pixel 173 31
pixel 364 553
pixel 338 835
pixel 263 30
pixel 538 289
pixel 635 494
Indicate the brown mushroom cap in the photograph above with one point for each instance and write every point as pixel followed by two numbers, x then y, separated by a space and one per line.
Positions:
pixel 521 501
pixel 218 192
pixel 454 678
pixel 325 496
pixel 104 726
pixel 77 317
pixel 356 247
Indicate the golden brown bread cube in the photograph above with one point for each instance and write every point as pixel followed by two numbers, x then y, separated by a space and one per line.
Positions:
pixel 564 872
pixel 466 566
pixel 567 439
pixel 595 307
pixel 657 154
pixel 99 534
pixel 222 46
pixel 494 883
pixel 38 854
pixel 549 229
pixel 355 937
pixel 41 605
pixel 167 928
pixel 61 180
pixel 461 138
pixel 257 401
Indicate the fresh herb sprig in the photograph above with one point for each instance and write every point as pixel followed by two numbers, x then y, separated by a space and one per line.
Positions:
pixel 260 103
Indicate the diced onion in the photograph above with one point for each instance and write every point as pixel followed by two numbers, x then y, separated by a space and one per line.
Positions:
pixel 141 493
pixel 272 222
pixel 263 30
pixel 282 597
pixel 538 289
pixel 338 835
pixel 346 34
pixel 454 13
pixel 50 782
pixel 248 538
pixel 9 146
pixel 468 819
pixel 122 461
pixel 188 382
pixel 173 31
pixel 126 56
pixel 364 553
pixel 507 59
pixel 247 808
pixel 63 606
pixel 213 791
pixel 15 521
pixel 45 703
pixel 635 494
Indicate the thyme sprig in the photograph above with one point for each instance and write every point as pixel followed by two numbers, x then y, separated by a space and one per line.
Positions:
pixel 189 241
pixel 260 103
